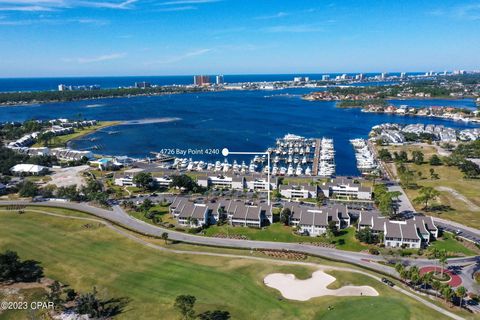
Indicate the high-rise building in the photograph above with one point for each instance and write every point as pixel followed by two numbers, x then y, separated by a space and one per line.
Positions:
pixel 403 75
pixel 142 85
pixel 201 80
pixel 326 77
pixel 219 79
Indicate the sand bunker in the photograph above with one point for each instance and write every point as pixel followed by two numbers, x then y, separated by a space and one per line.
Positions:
pixel 303 290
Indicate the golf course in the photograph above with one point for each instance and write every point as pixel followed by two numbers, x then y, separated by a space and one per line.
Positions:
pixel 84 253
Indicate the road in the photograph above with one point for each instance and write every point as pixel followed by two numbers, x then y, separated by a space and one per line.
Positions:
pixel 406 207
pixel 321 267
pixel 118 216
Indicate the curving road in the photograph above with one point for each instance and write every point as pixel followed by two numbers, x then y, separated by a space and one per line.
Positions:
pixel 120 217
pixel 156 247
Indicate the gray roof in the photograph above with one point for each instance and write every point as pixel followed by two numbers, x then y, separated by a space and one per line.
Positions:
pixel 366 218
pixel 427 221
pixel 393 230
pixel 409 230
pixel 316 218
pixel 379 223
pixel 192 210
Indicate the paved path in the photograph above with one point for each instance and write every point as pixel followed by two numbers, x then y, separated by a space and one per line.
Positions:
pixel 455 280
pixel 120 217
pixel 320 267
pixel 405 206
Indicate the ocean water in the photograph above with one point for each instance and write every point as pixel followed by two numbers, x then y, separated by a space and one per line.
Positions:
pixel 39 84
pixel 238 120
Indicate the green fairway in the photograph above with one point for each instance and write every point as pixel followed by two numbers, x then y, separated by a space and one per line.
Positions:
pixel 86 256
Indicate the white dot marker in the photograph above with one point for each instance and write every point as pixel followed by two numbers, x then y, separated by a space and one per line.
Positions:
pixel 225 152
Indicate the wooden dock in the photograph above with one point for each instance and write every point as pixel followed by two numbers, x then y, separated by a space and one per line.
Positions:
pixel 316 157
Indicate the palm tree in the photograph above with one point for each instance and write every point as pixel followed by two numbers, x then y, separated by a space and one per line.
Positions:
pixel 442 259
pixel 461 292
pixel 427 279
pixel 436 285
pixel 404 274
pixel 447 292
pixel 165 237
pixel 399 267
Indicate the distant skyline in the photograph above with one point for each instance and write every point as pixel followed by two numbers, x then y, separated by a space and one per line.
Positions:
pixel 41 38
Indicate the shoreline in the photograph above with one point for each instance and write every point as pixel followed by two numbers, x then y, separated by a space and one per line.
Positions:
pixel 67 139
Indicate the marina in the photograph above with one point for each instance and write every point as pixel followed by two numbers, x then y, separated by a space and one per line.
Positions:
pixel 366 162
pixel 240 121
pixel 292 155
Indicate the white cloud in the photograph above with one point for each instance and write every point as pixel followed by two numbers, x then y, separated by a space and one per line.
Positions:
pixel 173 9
pixel 468 12
pixel 51 5
pixel 273 16
pixel 300 28
pixel 106 57
pixel 51 21
pixel 182 57
pixel 177 2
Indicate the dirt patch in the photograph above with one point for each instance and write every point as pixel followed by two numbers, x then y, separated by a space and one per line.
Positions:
pixel 471 206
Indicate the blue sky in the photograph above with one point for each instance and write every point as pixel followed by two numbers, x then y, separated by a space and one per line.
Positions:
pixel 167 37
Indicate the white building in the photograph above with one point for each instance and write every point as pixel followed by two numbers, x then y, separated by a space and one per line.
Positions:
pixel 303 191
pixel 30 169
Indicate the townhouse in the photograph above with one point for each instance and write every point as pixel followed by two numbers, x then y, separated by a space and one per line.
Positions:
pixel 411 233
pixel 237 213
pixel 314 221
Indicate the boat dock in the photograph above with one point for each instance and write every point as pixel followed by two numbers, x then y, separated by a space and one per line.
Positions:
pixel 316 157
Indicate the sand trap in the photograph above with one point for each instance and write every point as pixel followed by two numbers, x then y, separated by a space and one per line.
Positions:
pixel 303 290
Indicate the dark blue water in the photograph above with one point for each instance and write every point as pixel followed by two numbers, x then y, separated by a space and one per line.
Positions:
pixel 238 120
pixel 459 103
pixel 40 84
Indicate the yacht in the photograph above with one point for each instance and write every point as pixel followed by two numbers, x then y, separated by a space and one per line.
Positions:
pixel 274 170
pixel 290 170
pixel 283 171
pixel 308 171
pixel 299 171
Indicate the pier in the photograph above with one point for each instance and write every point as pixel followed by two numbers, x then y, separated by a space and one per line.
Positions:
pixel 316 157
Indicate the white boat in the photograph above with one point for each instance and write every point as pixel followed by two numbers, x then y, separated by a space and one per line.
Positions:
pixel 274 170
pixel 252 167
pixel 308 171
pixel 290 170
pixel 283 171
pixel 218 166
pixel 299 171
pixel 210 166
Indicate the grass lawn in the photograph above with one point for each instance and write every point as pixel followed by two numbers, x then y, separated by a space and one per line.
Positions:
pixel 454 208
pixel 451 245
pixel 350 242
pixel 275 232
pixel 118 267
pixel 279 232
pixel 61 141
